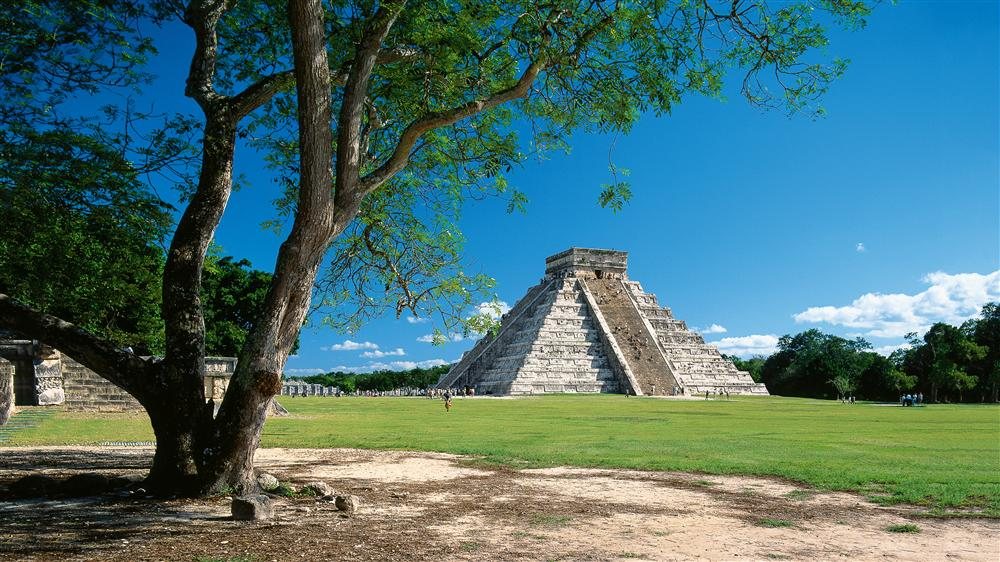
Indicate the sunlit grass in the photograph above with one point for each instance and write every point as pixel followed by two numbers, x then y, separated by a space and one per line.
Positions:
pixel 937 456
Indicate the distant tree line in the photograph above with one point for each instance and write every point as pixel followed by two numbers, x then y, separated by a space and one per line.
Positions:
pixel 379 380
pixel 947 364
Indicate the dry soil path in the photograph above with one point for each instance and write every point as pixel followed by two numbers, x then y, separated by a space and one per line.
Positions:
pixel 432 506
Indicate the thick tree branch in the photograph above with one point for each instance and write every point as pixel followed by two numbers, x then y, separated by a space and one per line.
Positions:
pixel 202 17
pixel 182 312
pixel 260 92
pixel 401 154
pixel 121 367
pixel 352 107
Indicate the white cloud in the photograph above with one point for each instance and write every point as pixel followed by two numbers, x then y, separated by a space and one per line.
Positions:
pixel 380 354
pixel 713 329
pixel 432 363
pixel 390 366
pixel 756 344
pixel 860 248
pixel 415 320
pixel 888 349
pixel 950 298
pixel 493 309
pixel 452 337
pixel 349 345
pixel 303 372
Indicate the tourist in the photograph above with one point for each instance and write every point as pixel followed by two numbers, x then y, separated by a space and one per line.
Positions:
pixel 447 400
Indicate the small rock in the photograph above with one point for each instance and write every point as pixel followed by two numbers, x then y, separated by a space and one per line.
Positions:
pixel 267 482
pixel 87 484
pixel 318 488
pixel 328 499
pixel 348 504
pixel 253 508
pixel 33 486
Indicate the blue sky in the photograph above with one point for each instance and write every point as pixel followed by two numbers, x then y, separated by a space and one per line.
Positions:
pixel 878 219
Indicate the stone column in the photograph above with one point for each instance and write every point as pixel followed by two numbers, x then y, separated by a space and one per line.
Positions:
pixel 6 390
pixel 48 376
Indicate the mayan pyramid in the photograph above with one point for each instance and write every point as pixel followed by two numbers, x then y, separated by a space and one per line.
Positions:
pixel 586 327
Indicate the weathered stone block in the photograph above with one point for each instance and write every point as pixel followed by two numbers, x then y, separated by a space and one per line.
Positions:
pixel 6 391
pixel 51 397
pixel 253 508
pixel 267 482
pixel 318 488
pixel 348 504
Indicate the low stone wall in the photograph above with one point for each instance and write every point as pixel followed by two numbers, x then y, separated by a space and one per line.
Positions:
pixel 85 390
pixel 299 388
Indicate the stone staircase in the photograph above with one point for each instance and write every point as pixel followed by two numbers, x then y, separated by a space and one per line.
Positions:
pixel 486 350
pixel 634 337
pixel 697 366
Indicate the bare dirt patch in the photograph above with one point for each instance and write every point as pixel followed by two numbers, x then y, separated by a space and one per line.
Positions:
pixel 419 506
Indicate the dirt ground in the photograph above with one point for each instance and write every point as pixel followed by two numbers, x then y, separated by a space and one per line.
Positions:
pixel 432 506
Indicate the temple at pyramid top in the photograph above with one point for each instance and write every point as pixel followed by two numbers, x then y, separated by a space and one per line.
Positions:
pixel 586 327
pixel 584 262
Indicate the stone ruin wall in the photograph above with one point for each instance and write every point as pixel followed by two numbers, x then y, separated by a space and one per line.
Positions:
pixel 42 376
pixel 85 390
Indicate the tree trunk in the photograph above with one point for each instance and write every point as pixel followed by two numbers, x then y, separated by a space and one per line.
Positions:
pixel 228 464
pixel 174 471
pixel 228 461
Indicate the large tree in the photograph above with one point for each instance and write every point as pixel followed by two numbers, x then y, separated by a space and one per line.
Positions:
pixel 379 118
pixel 813 364
pixel 985 332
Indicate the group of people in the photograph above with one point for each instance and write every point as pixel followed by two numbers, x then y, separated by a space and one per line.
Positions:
pixel 440 392
pixel 911 399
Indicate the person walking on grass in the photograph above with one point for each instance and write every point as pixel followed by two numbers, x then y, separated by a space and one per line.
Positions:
pixel 447 400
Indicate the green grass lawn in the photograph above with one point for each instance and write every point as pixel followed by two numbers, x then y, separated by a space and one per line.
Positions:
pixel 939 456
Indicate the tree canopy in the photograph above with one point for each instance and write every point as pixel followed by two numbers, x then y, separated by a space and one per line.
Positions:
pixel 947 363
pixel 379 119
